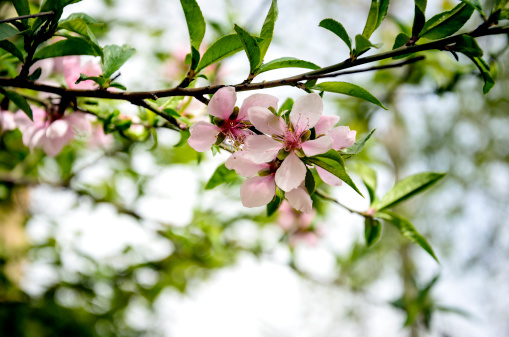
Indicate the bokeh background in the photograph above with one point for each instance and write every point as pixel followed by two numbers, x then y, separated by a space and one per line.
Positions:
pixel 133 245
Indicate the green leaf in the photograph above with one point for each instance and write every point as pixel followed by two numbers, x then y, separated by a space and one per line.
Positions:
pixel 500 4
pixel 383 7
pixel 489 82
pixel 222 48
pixel 368 176
pixel 468 46
pixel 221 175
pixel 11 48
pixel 371 22
pixel 251 47
pixel 268 29
pixel 333 162
pixel 80 26
pixel 67 47
pixel 338 29
pixel 115 57
pixel 287 105
pixel 362 45
pixel 446 23
pixel 195 22
pixel 118 86
pixel 273 206
pixel 357 147
pixel 7 31
pixel 22 8
pixel 19 101
pixel 372 231
pixel 401 40
pixel 407 230
pixel 172 112
pixel 350 90
pixel 309 182
pixel 476 4
pixel 287 62
pixel 56 6
pixel 35 75
pixel 419 17
pixel 504 15
pixel 99 80
pixel 407 188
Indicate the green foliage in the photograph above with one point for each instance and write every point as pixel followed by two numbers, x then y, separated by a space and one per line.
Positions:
pixel 251 47
pixel 19 100
pixel 7 31
pixel 362 45
pixel 67 47
pixel 377 13
pixel 274 204
pixel 484 68
pixel 286 62
pixel 446 23
pixel 220 176
pixel 468 46
pixel 369 179
pixel 195 22
pixel 401 40
pixel 309 182
pixel 476 4
pixel 372 231
pixel 350 90
pixel 419 17
pixel 338 29
pixel 222 48
pixel 11 48
pixel 357 147
pixel 114 58
pixel 268 29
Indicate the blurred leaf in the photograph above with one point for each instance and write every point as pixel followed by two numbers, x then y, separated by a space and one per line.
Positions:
pixel 273 206
pixel 338 29
pixel 99 80
pixel 118 86
pixel 67 47
pixel 7 31
pixel 195 22
pixel 357 147
pixel 22 7
pixel 489 82
pixel 221 175
pixel 368 176
pixel 251 47
pixel 446 23
pixel 468 46
pixel 114 58
pixel 350 90
pixel 11 48
pixel 383 7
pixel 268 29
pixel 287 62
pixel 20 102
pixel 287 105
pixel 35 75
pixel 372 231
pixel 476 4
pixel 401 40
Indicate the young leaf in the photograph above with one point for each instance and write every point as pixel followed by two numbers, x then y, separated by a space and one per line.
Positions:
pixel 115 57
pixel 489 82
pixel 407 230
pixel 476 4
pixel 251 47
pixel 332 162
pixel 368 176
pixel 221 175
pixel 447 23
pixel 400 41
pixel 287 62
pixel 22 8
pixel 222 48
pixel 407 188
pixel 287 105
pixel 310 182
pixel 372 231
pixel 67 47
pixel 273 206
pixel 99 80
pixel 350 90
pixel 362 45
pixel 80 26
pixel 118 86
pixel 357 147
pixel 11 48
pixel 371 22
pixel 383 7
pixel 468 46
pixel 35 75
pixel 338 29
pixel 268 29
pixel 7 31
pixel 19 101
pixel 419 18
pixel 195 22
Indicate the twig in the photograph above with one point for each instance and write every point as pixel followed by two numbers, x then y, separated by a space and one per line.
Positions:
pixel 325 196
pixel 27 16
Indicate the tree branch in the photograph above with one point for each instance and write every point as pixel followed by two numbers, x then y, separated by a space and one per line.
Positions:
pixel 27 16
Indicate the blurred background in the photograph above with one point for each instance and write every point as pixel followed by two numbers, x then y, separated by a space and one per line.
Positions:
pixel 124 239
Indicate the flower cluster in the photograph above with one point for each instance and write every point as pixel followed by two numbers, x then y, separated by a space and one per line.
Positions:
pixel 272 157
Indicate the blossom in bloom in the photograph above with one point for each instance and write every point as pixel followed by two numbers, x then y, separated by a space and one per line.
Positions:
pixel 260 187
pixel 288 140
pixel 297 224
pixel 230 121
pixel 7 121
pixel 72 68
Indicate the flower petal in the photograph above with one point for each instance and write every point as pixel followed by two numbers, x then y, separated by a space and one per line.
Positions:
pixel 317 146
pixel 79 122
pixel 243 166
pixel 53 146
pixel 261 148
pixel 291 173
pixel 265 121
pixel 342 137
pixel 325 124
pixel 306 112
pixel 328 177
pixel 57 129
pixel 300 200
pixel 262 100
pixel 222 103
pixel 257 191
pixel 203 136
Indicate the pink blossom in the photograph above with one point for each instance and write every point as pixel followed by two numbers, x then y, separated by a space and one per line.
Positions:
pixel 72 69
pixel 230 121
pixel 290 140
pixel 7 121
pixel 98 138
pixel 297 224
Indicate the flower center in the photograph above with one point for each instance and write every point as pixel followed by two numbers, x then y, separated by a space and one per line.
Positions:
pixel 292 140
pixel 233 131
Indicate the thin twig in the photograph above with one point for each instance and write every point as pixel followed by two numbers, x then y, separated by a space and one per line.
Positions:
pixel 325 196
pixel 27 16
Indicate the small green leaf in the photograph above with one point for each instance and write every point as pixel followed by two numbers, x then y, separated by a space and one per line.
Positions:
pixel 368 176
pixel 350 90
pixel 383 7
pixel 357 147
pixel 362 45
pixel 338 29
pixel 407 230
pixel 222 48
pixel 489 82
pixel 408 187
pixel 468 46
pixel 333 162
pixel 114 58
pixel 7 31
pixel 371 22
pixel 99 80
pixel 310 182
pixel 172 112
pixel 80 26
pixel 268 29
pixel 273 206
pixel 372 231
pixel 447 23
pixel 419 17
pixel 476 4
pixel 19 101
pixel 35 75
pixel 221 175
pixel 251 47
pixel 67 47
pixel 11 48
pixel 287 105
pixel 287 62
pixel 401 40
pixel 118 86
pixel 195 22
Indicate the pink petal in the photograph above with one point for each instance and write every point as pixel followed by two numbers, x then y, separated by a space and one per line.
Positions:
pixel 317 146
pixel 328 177
pixel 203 136
pixel 342 137
pixel 222 103
pixel 243 166
pixel 306 112
pixel 72 68
pixel 7 121
pixel 79 122
pixel 261 149
pixel 38 114
pixel 58 129
pixel 262 100
pixel 291 173
pixel 35 136
pixel 53 147
pixel 257 191
pixel 300 200
pixel 325 124
pixel 265 121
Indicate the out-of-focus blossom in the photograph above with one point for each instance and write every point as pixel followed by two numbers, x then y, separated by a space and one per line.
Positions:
pixel 73 68
pixel 298 225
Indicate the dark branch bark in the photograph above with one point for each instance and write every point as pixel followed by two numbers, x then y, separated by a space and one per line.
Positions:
pixel 27 16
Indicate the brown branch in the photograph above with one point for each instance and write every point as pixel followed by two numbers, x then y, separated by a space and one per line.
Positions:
pixel 27 16
pixel 325 196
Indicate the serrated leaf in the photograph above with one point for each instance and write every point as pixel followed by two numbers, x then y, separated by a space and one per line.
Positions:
pixel 446 23
pixel 195 22
pixel 419 17
pixel 371 22
pixel 407 230
pixel 401 40
pixel 468 46
pixel 67 47
pixel 338 29
pixel 476 4
pixel 7 31
pixel 11 48
pixel 333 162
pixel 372 231
pixel 407 188
pixel 287 62
pixel 484 68
pixel 357 147
pixel 19 101
pixel 221 175
pixel 222 48
pixel 115 57
pixel 350 90
pixel 251 47
pixel 268 29
pixel 368 176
